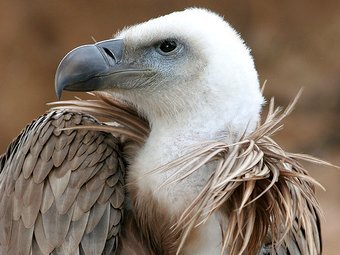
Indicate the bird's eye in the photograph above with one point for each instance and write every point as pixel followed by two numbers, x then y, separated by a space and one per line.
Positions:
pixel 167 46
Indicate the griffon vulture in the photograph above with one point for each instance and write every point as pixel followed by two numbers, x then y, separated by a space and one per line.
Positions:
pixel 182 164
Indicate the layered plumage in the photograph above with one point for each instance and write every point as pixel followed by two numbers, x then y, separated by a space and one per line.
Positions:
pixel 182 166
pixel 61 191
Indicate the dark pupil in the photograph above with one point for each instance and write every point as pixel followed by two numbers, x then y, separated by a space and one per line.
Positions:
pixel 168 46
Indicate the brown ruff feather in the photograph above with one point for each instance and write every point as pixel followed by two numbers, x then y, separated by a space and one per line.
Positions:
pixel 265 192
pixel 123 119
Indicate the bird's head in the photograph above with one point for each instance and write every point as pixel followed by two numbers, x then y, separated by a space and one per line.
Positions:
pixel 182 64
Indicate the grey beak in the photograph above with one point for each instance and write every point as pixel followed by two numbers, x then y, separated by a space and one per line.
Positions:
pixel 82 68
pixel 100 66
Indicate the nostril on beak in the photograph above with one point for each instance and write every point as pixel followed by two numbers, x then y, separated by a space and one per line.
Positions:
pixel 110 54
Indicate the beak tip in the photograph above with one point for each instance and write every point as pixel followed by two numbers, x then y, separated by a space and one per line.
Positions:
pixel 58 95
pixel 58 87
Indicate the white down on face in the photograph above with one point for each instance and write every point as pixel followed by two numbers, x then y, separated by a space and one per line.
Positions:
pixel 210 85
pixel 206 90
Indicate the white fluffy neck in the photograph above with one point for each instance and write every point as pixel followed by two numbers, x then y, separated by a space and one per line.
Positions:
pixel 169 140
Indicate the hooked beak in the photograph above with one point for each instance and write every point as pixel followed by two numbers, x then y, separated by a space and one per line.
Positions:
pixel 94 67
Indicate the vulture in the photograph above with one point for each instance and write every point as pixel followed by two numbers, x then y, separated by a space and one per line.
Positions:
pixel 168 157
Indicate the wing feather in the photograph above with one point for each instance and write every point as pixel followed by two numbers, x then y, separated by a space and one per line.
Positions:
pixel 96 214
pixel 58 183
pixel 56 225
pixel 42 169
pixel 66 200
pixel 86 199
pixel 35 249
pixel 44 246
pixel 31 203
pixel 59 156
pixel 61 190
pixel 24 240
pixel 47 199
pixel 74 236
pixel 94 241
pixel 29 164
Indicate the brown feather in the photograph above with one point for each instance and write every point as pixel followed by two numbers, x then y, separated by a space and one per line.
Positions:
pixel 46 173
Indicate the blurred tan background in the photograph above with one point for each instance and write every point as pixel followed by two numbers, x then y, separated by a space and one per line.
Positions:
pixel 295 44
